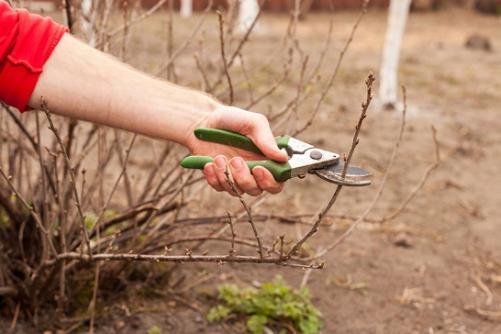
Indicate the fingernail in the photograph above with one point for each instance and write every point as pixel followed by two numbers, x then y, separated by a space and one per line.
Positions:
pixel 220 162
pixel 209 169
pixel 236 163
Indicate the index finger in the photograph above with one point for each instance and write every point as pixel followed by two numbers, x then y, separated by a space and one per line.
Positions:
pixel 265 180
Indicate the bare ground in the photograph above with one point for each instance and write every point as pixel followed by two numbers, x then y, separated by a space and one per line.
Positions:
pixel 434 269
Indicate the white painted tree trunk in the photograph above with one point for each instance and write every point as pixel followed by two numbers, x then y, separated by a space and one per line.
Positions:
pixel 88 16
pixel 248 11
pixel 186 8
pixel 397 17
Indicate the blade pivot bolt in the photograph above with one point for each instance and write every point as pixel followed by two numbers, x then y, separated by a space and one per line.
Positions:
pixel 316 155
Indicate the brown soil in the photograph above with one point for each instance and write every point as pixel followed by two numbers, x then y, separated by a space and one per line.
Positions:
pixel 421 270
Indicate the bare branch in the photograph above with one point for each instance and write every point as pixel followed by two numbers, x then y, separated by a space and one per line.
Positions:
pixel 321 215
pixel 421 182
pixel 354 225
pixel 68 14
pixel 180 259
pixel 333 76
pixel 223 56
pixel 29 208
pixel 231 183
pixel 71 172
pixel 137 19
pixel 233 235
pixel 186 43
pixel 237 51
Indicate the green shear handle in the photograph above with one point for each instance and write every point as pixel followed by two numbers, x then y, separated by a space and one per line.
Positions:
pixel 280 171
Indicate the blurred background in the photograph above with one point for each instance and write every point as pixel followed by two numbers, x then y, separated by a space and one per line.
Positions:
pixel 427 259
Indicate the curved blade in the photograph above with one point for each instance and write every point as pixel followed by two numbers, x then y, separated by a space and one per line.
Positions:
pixel 355 176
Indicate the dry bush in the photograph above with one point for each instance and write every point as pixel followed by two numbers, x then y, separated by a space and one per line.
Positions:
pixel 74 221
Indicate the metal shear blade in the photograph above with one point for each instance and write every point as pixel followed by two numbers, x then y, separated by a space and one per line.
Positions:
pixel 325 164
pixel 355 176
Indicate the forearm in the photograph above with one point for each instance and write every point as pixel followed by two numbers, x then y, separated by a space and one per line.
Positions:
pixel 83 83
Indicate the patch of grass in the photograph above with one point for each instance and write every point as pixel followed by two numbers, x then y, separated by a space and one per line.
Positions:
pixel 154 330
pixel 273 304
pixel 91 219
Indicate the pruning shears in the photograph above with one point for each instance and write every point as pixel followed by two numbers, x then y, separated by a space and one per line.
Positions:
pixel 304 158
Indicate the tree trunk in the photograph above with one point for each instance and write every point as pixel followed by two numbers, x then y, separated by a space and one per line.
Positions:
pixel 248 11
pixel 87 19
pixel 186 8
pixel 397 17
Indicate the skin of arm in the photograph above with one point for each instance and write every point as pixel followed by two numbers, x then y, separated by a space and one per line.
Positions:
pixel 83 83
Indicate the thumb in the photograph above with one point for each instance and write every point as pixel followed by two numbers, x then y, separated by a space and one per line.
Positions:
pixel 253 125
pixel 265 141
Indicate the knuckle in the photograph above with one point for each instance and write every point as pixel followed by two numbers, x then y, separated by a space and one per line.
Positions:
pixel 262 119
pixel 255 192
pixel 246 183
pixel 274 190
pixel 239 174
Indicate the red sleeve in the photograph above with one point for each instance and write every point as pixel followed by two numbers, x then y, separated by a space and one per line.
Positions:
pixel 26 42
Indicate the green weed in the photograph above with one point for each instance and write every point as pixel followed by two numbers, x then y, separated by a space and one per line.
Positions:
pixel 274 304
pixel 154 330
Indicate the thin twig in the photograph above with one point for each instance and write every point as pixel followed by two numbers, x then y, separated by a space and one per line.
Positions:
pixel 421 182
pixel 369 82
pixel 126 179
pixel 233 235
pixel 169 242
pixel 186 43
pixel 29 208
pixel 13 323
pixel 201 69
pixel 240 45
pixel 306 277
pixel 170 40
pixel 93 302
pixel 246 79
pixel 488 294
pixel 114 188
pixel 394 154
pixel 223 56
pixel 231 183
pixel 273 87
pixel 137 19
pixel 31 139
pixel 68 14
pixel 179 259
pixel 333 76
pixel 84 232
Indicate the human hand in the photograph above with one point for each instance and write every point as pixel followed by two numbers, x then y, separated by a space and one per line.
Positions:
pixel 256 127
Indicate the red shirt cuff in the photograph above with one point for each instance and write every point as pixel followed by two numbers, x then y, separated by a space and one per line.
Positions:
pixel 32 39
